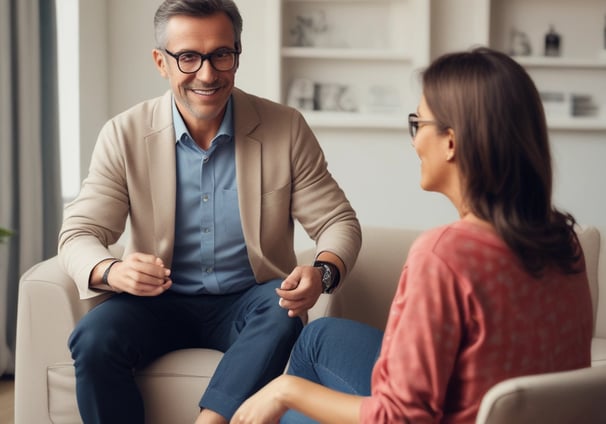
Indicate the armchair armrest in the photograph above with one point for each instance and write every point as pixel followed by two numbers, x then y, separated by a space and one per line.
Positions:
pixel 49 307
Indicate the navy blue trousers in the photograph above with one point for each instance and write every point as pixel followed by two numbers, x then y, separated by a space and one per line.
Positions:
pixel 125 333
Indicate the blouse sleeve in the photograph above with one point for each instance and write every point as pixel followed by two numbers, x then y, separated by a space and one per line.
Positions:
pixel 420 345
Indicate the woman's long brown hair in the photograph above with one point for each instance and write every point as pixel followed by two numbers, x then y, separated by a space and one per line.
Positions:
pixel 503 153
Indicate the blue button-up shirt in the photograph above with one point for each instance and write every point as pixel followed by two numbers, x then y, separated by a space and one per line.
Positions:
pixel 210 253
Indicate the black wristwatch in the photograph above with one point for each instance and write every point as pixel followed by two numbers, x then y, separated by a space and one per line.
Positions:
pixel 330 275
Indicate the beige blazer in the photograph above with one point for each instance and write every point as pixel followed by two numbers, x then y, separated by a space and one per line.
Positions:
pixel 281 175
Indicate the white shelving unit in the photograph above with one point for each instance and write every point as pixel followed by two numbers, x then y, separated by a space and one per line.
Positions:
pixel 589 76
pixel 352 63
pixel 581 67
pixel 318 119
pixel 345 54
pixel 561 62
pixel 369 52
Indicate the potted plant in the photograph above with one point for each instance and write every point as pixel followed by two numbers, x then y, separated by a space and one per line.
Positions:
pixel 4 233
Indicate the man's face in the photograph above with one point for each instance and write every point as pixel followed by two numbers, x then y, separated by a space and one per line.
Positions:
pixel 201 97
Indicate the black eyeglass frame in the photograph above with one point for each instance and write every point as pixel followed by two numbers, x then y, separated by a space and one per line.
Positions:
pixel 207 56
pixel 414 121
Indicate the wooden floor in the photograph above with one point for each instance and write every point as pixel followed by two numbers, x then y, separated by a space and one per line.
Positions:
pixel 7 400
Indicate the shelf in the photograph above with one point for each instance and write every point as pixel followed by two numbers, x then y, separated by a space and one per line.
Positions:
pixel 344 54
pixel 318 119
pixel 561 62
pixel 354 120
pixel 576 124
pixel 370 59
pixel 339 1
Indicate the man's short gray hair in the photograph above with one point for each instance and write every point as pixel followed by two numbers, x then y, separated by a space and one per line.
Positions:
pixel 196 8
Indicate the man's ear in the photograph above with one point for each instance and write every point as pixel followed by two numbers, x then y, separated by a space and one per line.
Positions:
pixel 160 61
pixel 238 46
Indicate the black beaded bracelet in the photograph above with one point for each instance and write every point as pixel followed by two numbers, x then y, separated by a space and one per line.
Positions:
pixel 106 273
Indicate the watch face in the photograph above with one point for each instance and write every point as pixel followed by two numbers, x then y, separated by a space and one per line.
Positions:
pixel 326 278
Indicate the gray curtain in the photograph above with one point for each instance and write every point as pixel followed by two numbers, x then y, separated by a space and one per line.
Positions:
pixel 30 191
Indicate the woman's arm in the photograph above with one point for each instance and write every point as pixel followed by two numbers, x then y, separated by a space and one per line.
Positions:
pixel 289 392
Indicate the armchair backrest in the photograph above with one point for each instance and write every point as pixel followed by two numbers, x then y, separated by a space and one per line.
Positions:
pixel 368 290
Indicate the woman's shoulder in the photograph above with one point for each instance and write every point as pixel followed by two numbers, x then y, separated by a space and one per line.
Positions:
pixel 457 236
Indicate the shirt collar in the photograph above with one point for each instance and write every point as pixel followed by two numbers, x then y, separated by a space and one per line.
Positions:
pixel 225 132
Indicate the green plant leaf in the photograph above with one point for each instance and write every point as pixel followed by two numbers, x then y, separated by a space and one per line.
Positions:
pixel 4 233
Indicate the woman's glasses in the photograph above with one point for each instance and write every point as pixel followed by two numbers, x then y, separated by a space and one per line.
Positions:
pixel 414 121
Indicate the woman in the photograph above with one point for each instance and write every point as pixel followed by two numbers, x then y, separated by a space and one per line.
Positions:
pixel 502 292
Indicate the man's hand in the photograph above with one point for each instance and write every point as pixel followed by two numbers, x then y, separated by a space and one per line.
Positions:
pixel 139 274
pixel 300 290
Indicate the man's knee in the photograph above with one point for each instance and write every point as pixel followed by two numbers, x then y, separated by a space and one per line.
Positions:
pixel 90 342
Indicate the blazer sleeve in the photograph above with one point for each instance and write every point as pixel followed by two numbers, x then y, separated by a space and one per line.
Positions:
pixel 131 175
pixel 318 202
pixel 97 217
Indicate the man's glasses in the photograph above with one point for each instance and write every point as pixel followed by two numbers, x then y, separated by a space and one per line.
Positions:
pixel 414 121
pixel 221 60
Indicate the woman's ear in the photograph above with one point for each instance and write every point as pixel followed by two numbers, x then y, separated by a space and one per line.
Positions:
pixel 450 150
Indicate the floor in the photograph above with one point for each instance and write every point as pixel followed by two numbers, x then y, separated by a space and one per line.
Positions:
pixel 7 400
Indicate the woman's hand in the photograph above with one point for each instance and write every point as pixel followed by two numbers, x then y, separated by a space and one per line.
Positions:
pixel 310 399
pixel 265 406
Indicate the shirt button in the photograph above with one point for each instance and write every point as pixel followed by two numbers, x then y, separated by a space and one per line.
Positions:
pixel 206 230
pixel 205 159
pixel 205 198
pixel 209 269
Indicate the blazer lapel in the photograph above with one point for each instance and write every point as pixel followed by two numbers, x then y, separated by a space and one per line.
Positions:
pixel 161 155
pixel 248 170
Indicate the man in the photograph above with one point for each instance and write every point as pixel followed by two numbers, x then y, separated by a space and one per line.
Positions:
pixel 211 179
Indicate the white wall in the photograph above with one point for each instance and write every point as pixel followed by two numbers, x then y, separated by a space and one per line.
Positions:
pixel 69 94
pixel 94 59
pixel 377 169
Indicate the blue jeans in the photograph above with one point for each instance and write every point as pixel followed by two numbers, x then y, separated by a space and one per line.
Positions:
pixel 125 333
pixel 337 353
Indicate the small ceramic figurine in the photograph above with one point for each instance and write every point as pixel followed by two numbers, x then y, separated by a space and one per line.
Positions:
pixel 308 29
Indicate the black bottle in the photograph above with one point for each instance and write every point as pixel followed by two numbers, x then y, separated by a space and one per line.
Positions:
pixel 552 43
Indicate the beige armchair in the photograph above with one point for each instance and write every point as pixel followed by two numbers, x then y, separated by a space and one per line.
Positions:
pixel 49 307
